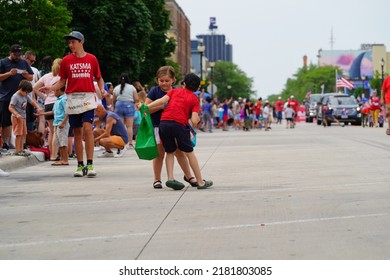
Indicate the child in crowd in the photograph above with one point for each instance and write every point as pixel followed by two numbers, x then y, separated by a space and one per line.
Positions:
pixel 174 128
pixel 137 121
pixel 61 126
pixel 165 79
pixel 208 113
pixel 17 107
pixel 289 113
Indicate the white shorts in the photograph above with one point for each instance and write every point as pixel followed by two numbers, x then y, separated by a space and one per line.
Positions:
pixel 61 135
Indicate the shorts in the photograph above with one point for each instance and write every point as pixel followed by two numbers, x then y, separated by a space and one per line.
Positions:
pixel 49 108
pixel 125 109
pixel 70 134
pixel 76 121
pixel 5 114
pixel 117 140
pixel 174 135
pixel 225 118
pixel 19 126
pixel 61 136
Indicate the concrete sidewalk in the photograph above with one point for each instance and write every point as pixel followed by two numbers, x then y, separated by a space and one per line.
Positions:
pixel 10 163
pixel 303 193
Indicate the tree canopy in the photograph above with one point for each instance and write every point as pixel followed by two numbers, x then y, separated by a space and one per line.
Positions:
pixel 127 36
pixel 231 81
pixel 37 25
pixel 309 78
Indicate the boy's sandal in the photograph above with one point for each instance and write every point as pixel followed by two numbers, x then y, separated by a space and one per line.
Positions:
pixel 193 184
pixel 388 131
pixel 157 184
pixel 173 184
pixel 207 184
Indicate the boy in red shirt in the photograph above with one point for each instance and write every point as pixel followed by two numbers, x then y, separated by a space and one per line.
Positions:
pixel 174 130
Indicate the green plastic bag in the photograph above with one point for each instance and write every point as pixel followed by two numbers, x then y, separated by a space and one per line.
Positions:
pixel 145 146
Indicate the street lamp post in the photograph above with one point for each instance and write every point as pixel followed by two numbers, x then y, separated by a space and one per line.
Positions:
pixel 364 89
pixel 229 87
pixel 382 66
pixel 201 49
pixel 212 64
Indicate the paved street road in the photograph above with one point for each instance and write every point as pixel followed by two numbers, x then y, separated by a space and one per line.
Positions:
pixel 304 193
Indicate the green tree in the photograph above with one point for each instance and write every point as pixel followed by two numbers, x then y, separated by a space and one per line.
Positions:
pixel 116 32
pixel 376 82
pixel 160 46
pixel 37 25
pixel 231 81
pixel 312 78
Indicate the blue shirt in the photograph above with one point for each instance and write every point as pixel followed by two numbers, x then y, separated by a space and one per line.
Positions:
pixel 118 128
pixel 154 94
pixel 10 85
pixel 137 117
pixel 59 110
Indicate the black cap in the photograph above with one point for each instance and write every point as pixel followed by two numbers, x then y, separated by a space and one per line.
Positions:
pixel 191 82
pixel 16 49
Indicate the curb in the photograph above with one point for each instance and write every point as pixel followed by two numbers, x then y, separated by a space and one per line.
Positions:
pixel 10 163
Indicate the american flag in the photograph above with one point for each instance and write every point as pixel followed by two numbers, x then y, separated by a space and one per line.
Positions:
pixel 343 83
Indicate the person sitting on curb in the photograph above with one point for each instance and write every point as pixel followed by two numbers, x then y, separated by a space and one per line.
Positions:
pixel 114 134
pixel 174 128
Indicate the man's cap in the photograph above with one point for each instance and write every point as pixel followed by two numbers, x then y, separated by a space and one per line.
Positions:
pixel 292 96
pixel 279 97
pixel 191 81
pixel 74 35
pixel 16 49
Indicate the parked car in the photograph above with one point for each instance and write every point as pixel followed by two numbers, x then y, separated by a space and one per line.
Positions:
pixel 311 106
pixel 345 108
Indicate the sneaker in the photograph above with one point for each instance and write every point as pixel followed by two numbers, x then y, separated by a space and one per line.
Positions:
pixel 22 154
pixel 3 173
pixel 72 156
pixel 106 155
pixel 5 148
pixel 90 171
pixel 120 153
pixel 98 148
pixel 80 171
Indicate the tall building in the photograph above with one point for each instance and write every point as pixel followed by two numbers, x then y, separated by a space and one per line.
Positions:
pixel 216 47
pixel 181 32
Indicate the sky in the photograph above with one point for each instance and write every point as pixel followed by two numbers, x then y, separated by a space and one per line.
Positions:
pixel 270 38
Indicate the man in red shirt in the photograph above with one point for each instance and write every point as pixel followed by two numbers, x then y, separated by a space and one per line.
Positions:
pixel 279 109
pixel 174 130
pixel 77 72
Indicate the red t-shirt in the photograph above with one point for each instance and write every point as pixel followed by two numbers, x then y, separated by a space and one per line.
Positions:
pixel 293 104
pixel 182 102
pixel 279 105
pixel 386 89
pixel 257 108
pixel 79 72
